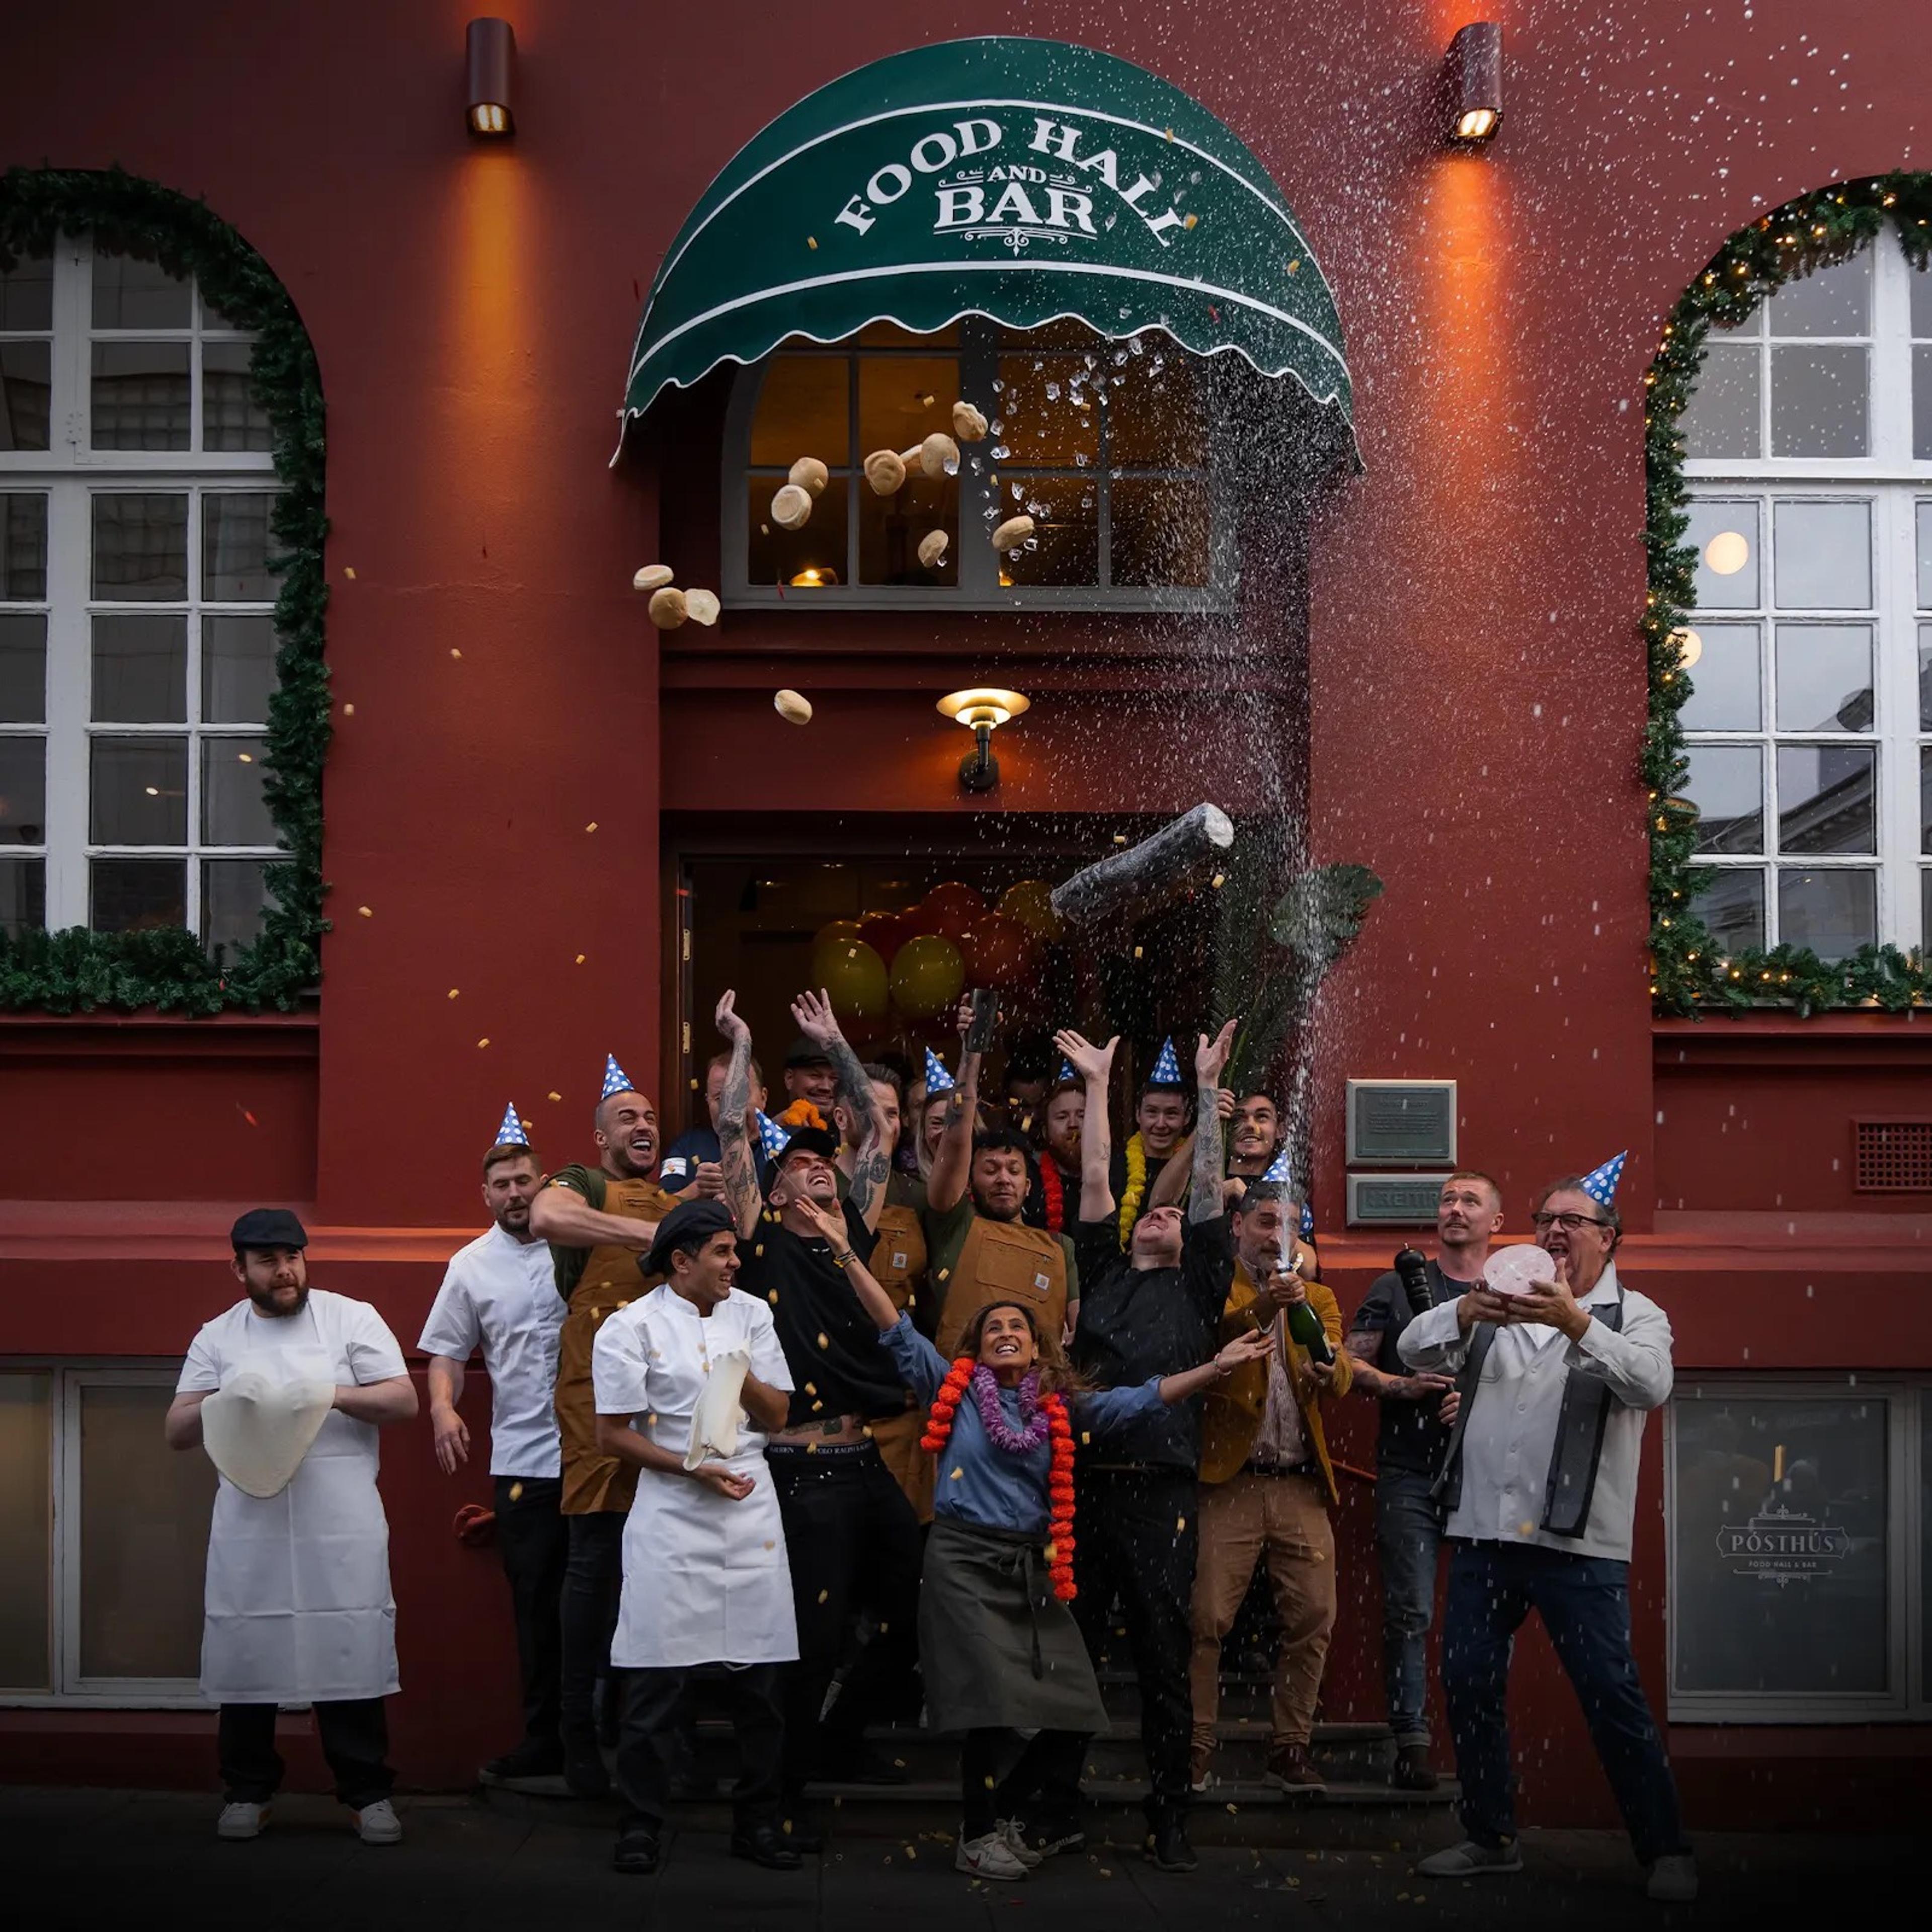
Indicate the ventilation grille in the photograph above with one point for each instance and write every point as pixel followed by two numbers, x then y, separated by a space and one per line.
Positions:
pixel 1893 1157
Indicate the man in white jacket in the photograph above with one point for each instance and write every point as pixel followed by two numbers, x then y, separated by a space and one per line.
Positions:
pixel 1539 1480
pixel 299 1608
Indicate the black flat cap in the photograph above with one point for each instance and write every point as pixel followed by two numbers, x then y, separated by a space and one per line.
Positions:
pixel 805 1052
pixel 268 1227
pixel 689 1221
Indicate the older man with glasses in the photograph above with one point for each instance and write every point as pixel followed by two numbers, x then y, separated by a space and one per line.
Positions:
pixel 1557 1365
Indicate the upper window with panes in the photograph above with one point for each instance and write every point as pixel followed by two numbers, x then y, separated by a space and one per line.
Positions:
pixel 1809 448
pixel 1103 444
pixel 137 645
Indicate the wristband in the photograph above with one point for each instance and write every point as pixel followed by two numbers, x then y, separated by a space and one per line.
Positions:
pixel 845 1260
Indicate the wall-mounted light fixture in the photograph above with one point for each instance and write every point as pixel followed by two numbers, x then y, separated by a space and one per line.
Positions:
pixel 1472 76
pixel 981 711
pixel 492 48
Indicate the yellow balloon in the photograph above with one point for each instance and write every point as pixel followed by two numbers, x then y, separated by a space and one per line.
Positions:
pixel 928 972
pixel 853 975
pixel 847 929
pixel 1031 903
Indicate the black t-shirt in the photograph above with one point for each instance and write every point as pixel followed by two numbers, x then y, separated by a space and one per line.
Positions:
pixel 1138 1322
pixel 1410 1437
pixel 1117 1178
pixel 828 1340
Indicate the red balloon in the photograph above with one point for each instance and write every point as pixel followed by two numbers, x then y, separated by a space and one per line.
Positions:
pixel 998 951
pixel 949 908
pixel 886 932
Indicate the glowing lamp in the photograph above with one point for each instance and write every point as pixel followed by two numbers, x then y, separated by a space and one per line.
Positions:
pixel 1473 82
pixel 814 577
pixel 981 711
pixel 1689 646
pixel 1727 552
pixel 492 50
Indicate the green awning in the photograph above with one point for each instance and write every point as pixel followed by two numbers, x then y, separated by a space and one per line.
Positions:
pixel 1024 180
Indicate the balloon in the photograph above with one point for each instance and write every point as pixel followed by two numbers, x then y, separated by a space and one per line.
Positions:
pixel 853 976
pixel 927 975
pixel 886 932
pixel 950 908
pixel 847 929
pixel 998 951
pixel 1031 903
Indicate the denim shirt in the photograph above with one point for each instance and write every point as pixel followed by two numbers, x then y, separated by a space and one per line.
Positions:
pixel 978 1481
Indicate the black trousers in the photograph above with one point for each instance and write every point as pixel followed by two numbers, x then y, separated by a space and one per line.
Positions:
pixel 1134 1537
pixel 354 1735
pixel 593 1575
pixel 658 1708
pixel 535 1544
pixel 1043 1788
pixel 853 1544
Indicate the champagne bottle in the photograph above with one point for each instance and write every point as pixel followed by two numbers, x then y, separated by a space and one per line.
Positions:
pixel 1305 1325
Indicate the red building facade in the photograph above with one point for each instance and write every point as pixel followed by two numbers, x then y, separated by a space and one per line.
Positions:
pixel 531 797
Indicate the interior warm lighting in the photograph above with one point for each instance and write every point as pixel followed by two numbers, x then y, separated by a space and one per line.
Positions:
pixel 491 46
pixel 814 577
pixel 982 709
pixel 1472 77
pixel 1690 646
pixel 1727 552
pixel 246 758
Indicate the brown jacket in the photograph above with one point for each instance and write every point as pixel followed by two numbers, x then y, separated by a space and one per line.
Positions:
pixel 1232 1418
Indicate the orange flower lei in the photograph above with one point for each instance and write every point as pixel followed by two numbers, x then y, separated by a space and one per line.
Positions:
pixel 1060 1477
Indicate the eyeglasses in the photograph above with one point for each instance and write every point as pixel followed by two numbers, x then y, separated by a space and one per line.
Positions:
pixel 1569 1223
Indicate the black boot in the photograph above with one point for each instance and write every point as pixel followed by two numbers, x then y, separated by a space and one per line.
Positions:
pixel 764 1844
pixel 1168 1846
pixel 583 1769
pixel 535 1757
pixel 639 1852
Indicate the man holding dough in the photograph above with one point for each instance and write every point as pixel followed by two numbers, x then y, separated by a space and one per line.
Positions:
pixel 286 1391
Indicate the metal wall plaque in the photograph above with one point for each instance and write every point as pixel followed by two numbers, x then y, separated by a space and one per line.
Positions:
pixel 1393 1200
pixel 1398 1122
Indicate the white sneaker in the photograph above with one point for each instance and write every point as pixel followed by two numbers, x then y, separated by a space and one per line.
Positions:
pixel 1471 1860
pixel 1205 1782
pixel 240 1820
pixel 1673 1879
pixel 377 1824
pixel 989 1857
pixel 1014 1834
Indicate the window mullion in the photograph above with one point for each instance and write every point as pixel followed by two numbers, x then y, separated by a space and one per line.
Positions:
pixel 69 753
pixel 191 882
pixel 1895 649
pixel 66 1538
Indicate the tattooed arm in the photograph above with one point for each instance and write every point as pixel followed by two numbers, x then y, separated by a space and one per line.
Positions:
pixel 873 1166
pixel 1203 1200
pixel 734 1107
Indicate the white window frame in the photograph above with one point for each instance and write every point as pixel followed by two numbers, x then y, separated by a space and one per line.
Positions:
pixel 69 474
pixel 1908 1696
pixel 980 345
pixel 1893 482
pixel 71 1690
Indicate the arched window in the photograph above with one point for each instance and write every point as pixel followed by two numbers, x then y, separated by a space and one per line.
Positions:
pixel 137 639
pixel 1809 453
pixel 1104 444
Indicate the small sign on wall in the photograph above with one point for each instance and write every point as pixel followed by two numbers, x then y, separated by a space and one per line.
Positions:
pixel 1402 1122
pixel 1393 1200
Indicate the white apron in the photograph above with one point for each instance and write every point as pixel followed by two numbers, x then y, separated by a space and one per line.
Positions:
pixel 299 1608
pixel 705 1579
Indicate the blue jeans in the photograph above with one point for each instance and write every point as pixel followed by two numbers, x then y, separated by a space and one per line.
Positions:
pixel 1584 1602
pixel 1409 1534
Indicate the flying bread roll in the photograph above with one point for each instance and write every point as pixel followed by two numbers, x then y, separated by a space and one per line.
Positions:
pixel 1013 533
pixel 885 470
pixel 667 608
pixel 968 424
pixel 653 577
pixel 938 454
pixel 791 707
pixel 701 607
pixel 932 548
pixel 791 507
pixel 809 475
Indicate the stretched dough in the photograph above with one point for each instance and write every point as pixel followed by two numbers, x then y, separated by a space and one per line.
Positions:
pixel 256 1432
pixel 714 1426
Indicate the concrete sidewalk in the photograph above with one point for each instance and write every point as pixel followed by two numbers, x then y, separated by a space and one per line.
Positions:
pixel 134 1861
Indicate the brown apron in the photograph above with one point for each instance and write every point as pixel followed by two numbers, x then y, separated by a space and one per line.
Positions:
pixel 898 1261
pixel 611 1280
pixel 896 1437
pixel 1004 1261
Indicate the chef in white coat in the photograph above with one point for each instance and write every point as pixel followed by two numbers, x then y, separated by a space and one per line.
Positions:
pixel 707 1591
pixel 499 1295
pixel 297 1602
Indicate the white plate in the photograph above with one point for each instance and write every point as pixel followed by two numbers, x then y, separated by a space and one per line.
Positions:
pixel 1515 1270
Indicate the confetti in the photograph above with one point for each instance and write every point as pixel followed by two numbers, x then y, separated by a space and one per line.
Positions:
pixel 349 711
pixel 366 911
pixel 250 1118
pixel 580 958
pixel 824 1340
pixel 772 1297
pixel 592 827
pixel 1179 1524
pixel 1190 221
pixel 824 1594
pixel 1295 265
pixel 454 652
pixel 812 240
pixel 484 1041
pixel 811 1388
pixel 516 1493
pixel 348 571
pixel 454 991
pixel 555 1095
pixel 955 1473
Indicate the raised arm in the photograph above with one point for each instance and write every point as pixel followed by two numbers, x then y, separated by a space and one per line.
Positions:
pixel 1211 1164
pixel 1095 1066
pixel 952 1159
pixel 734 1105
pixel 1252 1347
pixel 872 1167
pixel 559 1213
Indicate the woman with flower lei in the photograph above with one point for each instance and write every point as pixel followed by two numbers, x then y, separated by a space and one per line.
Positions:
pixel 999 1647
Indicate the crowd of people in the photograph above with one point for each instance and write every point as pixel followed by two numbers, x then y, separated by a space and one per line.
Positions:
pixel 905 1404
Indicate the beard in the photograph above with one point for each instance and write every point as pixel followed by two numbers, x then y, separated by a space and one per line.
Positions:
pixel 265 1303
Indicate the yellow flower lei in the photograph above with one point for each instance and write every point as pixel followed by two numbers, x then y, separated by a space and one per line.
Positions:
pixel 1137 1181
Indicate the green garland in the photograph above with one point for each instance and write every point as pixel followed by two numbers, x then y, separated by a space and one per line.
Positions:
pixel 81 970
pixel 1690 971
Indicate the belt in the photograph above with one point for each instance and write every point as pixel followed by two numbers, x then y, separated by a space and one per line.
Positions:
pixel 816 1452
pixel 1280 1469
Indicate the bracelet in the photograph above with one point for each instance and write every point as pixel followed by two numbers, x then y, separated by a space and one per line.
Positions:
pixel 845 1260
